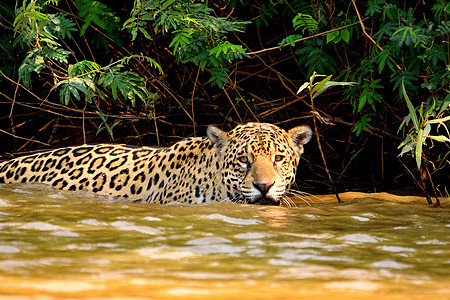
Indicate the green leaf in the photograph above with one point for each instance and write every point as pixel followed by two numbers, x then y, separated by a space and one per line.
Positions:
pixel 362 123
pixel 440 138
pixel 74 92
pixel 225 48
pixel 306 22
pixel 440 120
pixel 145 33
pixel 333 83
pixel 406 141
pixel 64 95
pixel 304 86
pixel 345 34
pixel 362 100
pixel 420 142
pixel 412 111
pixel 100 128
pixel 114 124
pixel 317 87
pixel 219 76
pixel 71 87
pixel 182 39
pixel 102 116
pixel 332 36
pixel 426 130
pixel 407 148
pixel 290 39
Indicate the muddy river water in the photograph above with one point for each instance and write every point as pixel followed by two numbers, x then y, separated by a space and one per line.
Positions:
pixel 59 245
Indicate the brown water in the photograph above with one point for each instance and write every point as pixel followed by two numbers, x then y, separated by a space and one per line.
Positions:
pixel 56 245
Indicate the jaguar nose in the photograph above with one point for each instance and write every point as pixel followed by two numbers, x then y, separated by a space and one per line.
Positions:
pixel 263 187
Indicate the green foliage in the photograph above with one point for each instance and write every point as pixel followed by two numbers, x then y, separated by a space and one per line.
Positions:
pixel 374 7
pixel 317 88
pixel 32 27
pixel 198 36
pixel 365 93
pixel 344 34
pixel 100 15
pixel 305 22
pixel 82 79
pixel 408 49
pixel 422 122
pixel 41 29
pixel 128 83
pixel 104 125
pixel 337 36
pixel 316 56
pixel 290 39
pixel 441 10
pixel 363 123
pixel 410 55
pixel 266 13
pixel 219 76
pixel 72 87
pixel 86 76
pixel 34 62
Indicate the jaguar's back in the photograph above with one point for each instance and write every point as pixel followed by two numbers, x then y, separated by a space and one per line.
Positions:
pixel 253 163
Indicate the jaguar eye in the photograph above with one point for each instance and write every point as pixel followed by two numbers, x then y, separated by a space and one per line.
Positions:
pixel 279 158
pixel 243 159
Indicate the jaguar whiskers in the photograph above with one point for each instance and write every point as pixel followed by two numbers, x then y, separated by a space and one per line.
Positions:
pixel 304 196
pixel 287 201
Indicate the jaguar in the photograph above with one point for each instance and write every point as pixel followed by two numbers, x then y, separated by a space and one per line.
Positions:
pixel 254 163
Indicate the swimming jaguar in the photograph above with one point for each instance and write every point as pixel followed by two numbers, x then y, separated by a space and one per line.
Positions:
pixel 253 163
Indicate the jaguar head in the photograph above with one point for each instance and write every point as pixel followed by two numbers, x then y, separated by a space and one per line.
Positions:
pixel 259 160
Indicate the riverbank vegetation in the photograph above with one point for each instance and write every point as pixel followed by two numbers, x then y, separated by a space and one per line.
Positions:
pixel 150 72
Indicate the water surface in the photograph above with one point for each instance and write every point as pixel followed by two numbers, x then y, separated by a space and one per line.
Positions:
pixel 61 244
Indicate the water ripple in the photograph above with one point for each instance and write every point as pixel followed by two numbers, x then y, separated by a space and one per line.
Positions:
pixel 9 249
pixel 128 226
pixel 396 249
pixel 389 264
pixel 360 238
pixel 236 221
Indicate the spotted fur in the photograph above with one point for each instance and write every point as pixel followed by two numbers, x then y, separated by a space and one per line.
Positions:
pixel 253 163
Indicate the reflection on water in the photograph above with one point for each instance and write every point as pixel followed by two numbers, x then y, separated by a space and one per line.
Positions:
pixel 61 244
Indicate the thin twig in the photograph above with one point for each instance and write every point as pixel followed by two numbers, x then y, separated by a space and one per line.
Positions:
pixel 22 138
pixel 193 93
pixel 156 127
pixel 236 88
pixel 307 38
pixel 437 203
pixel 282 79
pixel 363 28
pixel 316 130
pixel 369 129
pixel 176 99
pixel 232 104
pixel 32 138
pixel 66 108
pixel 83 124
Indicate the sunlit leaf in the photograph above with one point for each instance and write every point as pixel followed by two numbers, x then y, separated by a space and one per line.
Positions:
pixel 412 111
pixel 440 138
pixel 304 86
pixel 420 142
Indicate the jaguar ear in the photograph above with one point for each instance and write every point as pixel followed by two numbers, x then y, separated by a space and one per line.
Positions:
pixel 300 136
pixel 218 137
